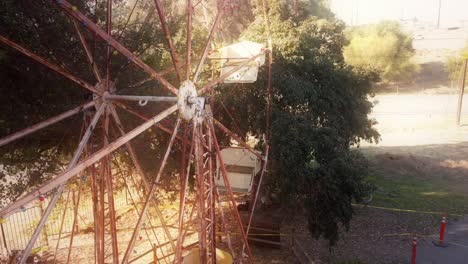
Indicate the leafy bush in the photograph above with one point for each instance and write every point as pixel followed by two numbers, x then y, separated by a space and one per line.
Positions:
pixel 384 48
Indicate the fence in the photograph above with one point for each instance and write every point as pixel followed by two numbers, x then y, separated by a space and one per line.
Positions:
pixel 17 230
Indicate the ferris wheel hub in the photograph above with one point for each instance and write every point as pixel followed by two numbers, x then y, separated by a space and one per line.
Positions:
pixel 186 100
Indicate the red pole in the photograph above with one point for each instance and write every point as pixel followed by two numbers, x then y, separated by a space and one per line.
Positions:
pixel 413 255
pixel 442 230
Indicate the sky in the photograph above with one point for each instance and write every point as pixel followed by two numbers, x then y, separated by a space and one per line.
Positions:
pixel 357 12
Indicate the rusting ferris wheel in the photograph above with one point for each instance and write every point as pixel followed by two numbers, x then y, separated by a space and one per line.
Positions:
pixel 192 108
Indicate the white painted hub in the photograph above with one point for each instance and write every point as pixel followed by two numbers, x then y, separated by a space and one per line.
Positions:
pixel 187 90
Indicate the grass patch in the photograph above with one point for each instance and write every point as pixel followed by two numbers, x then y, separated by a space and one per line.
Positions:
pixel 410 192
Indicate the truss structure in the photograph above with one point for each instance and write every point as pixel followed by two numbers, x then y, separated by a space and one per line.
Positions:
pixel 194 126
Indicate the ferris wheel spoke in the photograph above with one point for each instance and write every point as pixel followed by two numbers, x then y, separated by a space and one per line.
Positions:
pixel 50 65
pixel 167 34
pixel 73 171
pixel 185 173
pixel 150 195
pixel 144 117
pixel 208 43
pixel 236 138
pixel 22 133
pixel 88 52
pixel 221 78
pixel 91 26
pixel 108 48
pixel 234 210
pixel 188 57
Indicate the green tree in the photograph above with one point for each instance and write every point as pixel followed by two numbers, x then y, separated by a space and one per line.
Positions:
pixel 384 48
pixel 320 109
pixel 454 64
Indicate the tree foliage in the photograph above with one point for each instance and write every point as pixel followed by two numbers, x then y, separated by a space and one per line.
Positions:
pixel 320 109
pixel 384 48
pixel 454 64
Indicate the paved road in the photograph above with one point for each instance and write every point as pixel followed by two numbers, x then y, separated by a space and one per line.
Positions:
pixel 455 253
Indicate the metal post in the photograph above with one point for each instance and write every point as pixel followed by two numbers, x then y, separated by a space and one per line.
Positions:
pixel 461 92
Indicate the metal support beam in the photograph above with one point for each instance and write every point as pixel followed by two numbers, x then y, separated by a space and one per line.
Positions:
pixel 170 99
pixel 188 58
pixel 150 194
pixel 208 42
pixel 236 138
pixel 167 34
pixel 234 210
pixel 60 187
pixel 140 171
pixel 68 174
pixel 91 26
pixel 50 65
pixel 87 50
pixel 45 123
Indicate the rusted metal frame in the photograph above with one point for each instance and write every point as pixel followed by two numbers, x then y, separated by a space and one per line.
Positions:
pixel 74 170
pixel 61 227
pixel 200 191
pixel 150 194
pixel 257 191
pixel 60 187
pixel 50 65
pixel 96 212
pixel 221 78
pixel 236 138
pixel 139 168
pixel 45 123
pixel 223 222
pixel 143 117
pixel 234 210
pixel 211 193
pixel 167 34
pixel 171 99
pixel 110 190
pixel 91 26
pixel 108 48
pixel 75 221
pixel 88 52
pixel 185 173
pixel 207 46
pixel 65 211
pixel 188 58
pixel 102 214
pixel 134 203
